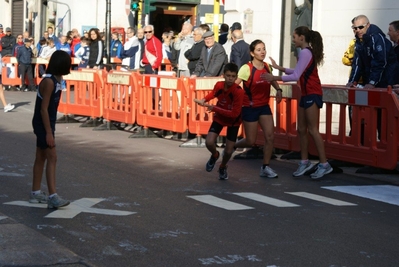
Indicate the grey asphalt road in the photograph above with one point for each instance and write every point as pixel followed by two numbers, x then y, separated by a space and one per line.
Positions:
pixel 149 202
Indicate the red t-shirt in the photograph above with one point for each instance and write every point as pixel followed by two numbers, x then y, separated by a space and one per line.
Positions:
pixel 257 90
pixel 228 108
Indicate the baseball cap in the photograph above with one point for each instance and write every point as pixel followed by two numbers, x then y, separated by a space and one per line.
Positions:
pixel 8 29
pixel 207 34
pixel 235 26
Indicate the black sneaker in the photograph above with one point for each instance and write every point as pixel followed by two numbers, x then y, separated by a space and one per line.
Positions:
pixel 223 173
pixel 211 162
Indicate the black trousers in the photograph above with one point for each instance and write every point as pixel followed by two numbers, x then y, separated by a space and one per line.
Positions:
pixel 26 70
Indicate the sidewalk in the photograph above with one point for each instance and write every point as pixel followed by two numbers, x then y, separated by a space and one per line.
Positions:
pixel 22 246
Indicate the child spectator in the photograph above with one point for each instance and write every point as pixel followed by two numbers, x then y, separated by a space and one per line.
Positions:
pixel 83 53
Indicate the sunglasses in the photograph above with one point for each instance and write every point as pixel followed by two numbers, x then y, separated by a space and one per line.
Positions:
pixel 148 32
pixel 359 27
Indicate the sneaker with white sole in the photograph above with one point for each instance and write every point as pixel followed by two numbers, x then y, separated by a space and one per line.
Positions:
pixel 321 171
pixel 211 162
pixel 223 173
pixel 267 172
pixel 9 107
pixel 57 202
pixel 302 168
pixel 38 198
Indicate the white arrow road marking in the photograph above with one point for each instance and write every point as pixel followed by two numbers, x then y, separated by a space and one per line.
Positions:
pixel 220 203
pixel 73 209
pixel 384 193
pixel 327 200
pixel 267 200
pixel 3 217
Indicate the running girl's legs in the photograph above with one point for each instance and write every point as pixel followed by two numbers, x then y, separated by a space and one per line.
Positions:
pixel 312 121
pixel 251 130
pixel 303 133
pixel 267 125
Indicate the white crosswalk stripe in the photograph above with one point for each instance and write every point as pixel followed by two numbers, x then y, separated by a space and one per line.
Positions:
pixel 327 200
pixel 384 193
pixel 267 200
pixel 220 203
pixel 230 205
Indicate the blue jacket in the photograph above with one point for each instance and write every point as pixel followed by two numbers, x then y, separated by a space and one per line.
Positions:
pixel 375 59
pixel 116 49
pixel 64 47
pixel 24 55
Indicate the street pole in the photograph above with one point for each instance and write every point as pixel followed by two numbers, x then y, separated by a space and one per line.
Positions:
pixel 108 31
pixel 216 11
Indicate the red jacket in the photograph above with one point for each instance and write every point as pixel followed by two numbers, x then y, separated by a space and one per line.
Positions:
pixel 228 108
pixel 152 53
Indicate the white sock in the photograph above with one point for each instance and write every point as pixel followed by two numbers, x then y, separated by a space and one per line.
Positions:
pixel 34 193
pixel 51 196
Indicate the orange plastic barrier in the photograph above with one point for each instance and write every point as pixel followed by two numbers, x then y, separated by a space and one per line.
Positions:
pixel 162 102
pixel 84 94
pixel 362 146
pixel 199 119
pixel 120 97
pixel 11 69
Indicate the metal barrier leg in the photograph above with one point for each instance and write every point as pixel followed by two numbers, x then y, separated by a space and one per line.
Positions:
pixel 67 119
pixel 144 133
pixel 92 122
pixel 107 126
pixel 196 142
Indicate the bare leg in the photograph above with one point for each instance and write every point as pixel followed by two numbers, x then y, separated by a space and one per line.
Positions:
pixel 2 98
pixel 267 125
pixel 303 133
pixel 211 142
pixel 312 119
pixel 51 155
pixel 251 130
pixel 38 168
pixel 228 151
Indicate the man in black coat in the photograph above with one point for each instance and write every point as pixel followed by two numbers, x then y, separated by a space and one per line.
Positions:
pixel 240 54
pixel 7 43
pixel 194 53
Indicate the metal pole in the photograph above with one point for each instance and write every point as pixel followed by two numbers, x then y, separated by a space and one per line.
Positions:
pixel 108 31
pixel 216 11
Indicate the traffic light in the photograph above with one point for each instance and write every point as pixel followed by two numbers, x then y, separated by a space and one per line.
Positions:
pixel 134 5
pixel 147 6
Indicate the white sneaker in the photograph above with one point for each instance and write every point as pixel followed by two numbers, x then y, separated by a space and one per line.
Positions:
pixel 57 202
pixel 321 171
pixel 9 107
pixel 302 168
pixel 38 198
pixel 267 172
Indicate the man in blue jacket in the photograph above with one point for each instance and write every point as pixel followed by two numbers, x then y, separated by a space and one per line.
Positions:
pixel 375 59
pixel 24 58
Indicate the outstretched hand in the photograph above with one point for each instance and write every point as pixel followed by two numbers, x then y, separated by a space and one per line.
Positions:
pixel 274 64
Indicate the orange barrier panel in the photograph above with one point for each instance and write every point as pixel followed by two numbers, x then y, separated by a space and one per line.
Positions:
pixel 84 94
pixel 199 119
pixel 363 146
pixel 120 97
pixel 162 102
pixel 10 75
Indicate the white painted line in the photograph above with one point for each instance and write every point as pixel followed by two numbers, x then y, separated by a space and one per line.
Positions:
pixel 12 174
pixel 327 200
pixel 76 207
pixel 384 193
pixel 267 200
pixel 220 203
pixel 3 217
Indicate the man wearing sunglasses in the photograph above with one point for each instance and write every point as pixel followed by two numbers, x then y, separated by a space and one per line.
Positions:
pixel 374 59
pixel 152 55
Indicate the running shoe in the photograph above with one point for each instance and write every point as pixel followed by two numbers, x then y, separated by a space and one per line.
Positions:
pixel 302 168
pixel 321 171
pixel 211 162
pixel 267 172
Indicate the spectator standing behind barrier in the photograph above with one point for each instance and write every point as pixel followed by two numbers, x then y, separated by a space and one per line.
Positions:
pixel 131 54
pixel 63 45
pixel 96 50
pixel 223 32
pixel 24 58
pixel 229 43
pixel 1 35
pixel 43 122
pixel 51 35
pixel 311 102
pixel 213 58
pixel 194 53
pixel 240 49
pixel 375 60
pixel 20 43
pixel 393 33
pixel 46 52
pixel 184 42
pixel 227 113
pixel 75 40
pixel 166 45
pixel 83 53
pixel 7 43
pixel 116 46
pixel 256 109
pixel 152 56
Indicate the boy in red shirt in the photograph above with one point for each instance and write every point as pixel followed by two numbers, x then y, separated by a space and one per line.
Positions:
pixel 227 113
